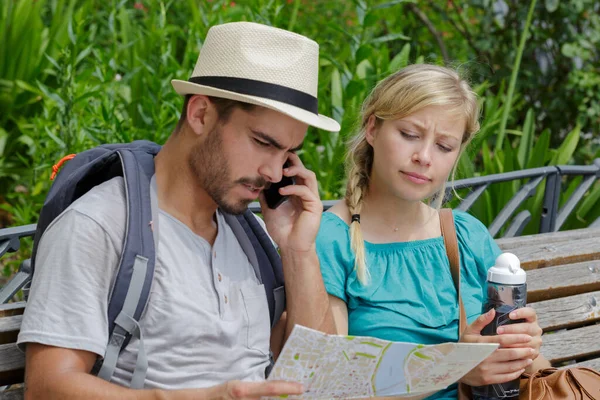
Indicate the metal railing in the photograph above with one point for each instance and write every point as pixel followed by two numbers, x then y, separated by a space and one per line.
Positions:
pixel 552 218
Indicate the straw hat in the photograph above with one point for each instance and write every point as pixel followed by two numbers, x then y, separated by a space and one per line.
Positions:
pixel 261 65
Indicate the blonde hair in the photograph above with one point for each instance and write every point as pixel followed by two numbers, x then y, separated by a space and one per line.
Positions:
pixel 397 96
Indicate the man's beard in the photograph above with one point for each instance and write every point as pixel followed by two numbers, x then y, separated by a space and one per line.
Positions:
pixel 207 161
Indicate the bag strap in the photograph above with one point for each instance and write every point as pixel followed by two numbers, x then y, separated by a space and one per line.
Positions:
pixel 266 262
pixel 451 243
pixel 264 257
pixel 136 267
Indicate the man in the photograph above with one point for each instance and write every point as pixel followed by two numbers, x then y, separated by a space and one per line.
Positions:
pixel 206 326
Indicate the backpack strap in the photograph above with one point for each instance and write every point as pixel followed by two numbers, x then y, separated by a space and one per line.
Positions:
pixel 136 266
pixel 271 270
pixel 264 258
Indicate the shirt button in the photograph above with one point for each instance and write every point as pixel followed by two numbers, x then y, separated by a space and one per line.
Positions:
pixel 219 277
pixel 225 299
pixel 214 254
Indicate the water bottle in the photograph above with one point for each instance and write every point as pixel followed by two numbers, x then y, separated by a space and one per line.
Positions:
pixel 506 292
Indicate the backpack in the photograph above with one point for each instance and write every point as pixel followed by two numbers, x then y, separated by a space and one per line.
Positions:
pixel 129 295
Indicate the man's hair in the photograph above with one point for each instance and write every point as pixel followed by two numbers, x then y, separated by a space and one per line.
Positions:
pixel 224 108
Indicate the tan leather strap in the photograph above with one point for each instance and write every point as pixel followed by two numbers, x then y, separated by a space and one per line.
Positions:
pixel 451 242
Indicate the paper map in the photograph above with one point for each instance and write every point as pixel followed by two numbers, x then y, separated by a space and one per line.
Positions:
pixel 343 367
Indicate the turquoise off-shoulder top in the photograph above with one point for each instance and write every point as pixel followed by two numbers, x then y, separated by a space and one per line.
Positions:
pixel 411 296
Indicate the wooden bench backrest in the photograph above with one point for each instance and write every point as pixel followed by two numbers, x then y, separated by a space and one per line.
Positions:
pixel 563 286
pixel 12 360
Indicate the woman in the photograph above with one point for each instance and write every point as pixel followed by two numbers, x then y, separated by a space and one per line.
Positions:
pixel 382 256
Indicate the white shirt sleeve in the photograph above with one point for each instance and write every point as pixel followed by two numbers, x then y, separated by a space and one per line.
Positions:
pixel 68 300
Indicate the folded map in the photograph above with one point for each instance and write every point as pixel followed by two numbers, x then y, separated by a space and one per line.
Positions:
pixel 342 367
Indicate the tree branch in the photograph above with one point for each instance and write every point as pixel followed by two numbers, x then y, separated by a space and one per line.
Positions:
pixel 463 29
pixel 438 37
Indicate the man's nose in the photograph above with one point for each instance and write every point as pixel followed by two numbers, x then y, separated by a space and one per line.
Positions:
pixel 272 170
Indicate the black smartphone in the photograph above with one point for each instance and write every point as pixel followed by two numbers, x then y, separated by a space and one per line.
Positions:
pixel 272 196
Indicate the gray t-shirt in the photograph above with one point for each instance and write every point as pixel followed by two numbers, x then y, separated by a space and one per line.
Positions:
pixel 207 318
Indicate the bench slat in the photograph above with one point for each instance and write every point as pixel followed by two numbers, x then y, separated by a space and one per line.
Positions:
pixel 561 253
pixel 593 364
pixel 9 328
pixel 568 312
pixel 12 364
pixel 547 238
pixel 572 344
pixel 6 310
pixel 563 280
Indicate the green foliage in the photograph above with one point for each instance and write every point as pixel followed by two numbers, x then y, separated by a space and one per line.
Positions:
pixel 76 73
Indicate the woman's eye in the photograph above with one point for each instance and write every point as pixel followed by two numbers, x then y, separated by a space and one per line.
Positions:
pixel 408 135
pixel 445 148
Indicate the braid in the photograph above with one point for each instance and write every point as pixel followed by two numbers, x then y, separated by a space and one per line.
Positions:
pixel 399 95
pixel 358 182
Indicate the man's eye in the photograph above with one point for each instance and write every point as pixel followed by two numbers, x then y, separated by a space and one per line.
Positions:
pixel 261 143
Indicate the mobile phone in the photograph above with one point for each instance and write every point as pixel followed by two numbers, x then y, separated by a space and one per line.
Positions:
pixel 272 196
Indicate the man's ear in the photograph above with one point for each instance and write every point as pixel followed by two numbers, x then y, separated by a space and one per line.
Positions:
pixel 201 114
pixel 371 129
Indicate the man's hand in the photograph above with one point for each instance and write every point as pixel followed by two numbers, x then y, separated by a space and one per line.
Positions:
pixel 506 363
pixel 238 390
pixel 294 224
pixel 58 373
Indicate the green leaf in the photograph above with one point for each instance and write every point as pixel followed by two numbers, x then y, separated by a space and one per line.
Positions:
pixel 567 148
pixel 509 102
pixel 590 202
pixel 86 52
pixel 551 5
pixel 71 33
pixel 569 50
pixel 538 155
pixel 354 89
pixel 526 142
pixel 26 86
pixel 336 89
pixel 59 101
pixel 360 13
pixel 465 168
pixel 391 4
pixel 488 165
pixel 364 69
pixel 566 194
pixel 400 60
pixel 55 138
pixel 363 52
pixel 3 140
pixel 390 37
pixel 371 19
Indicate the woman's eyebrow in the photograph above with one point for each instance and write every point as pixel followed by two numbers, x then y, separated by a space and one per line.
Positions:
pixel 421 127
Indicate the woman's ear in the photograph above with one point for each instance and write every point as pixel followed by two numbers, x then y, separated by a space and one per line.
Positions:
pixel 371 129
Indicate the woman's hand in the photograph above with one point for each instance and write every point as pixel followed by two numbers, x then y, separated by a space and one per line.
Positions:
pixel 529 327
pixel 506 363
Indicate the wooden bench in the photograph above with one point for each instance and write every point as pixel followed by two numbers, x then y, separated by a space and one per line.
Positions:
pixel 563 275
pixel 563 285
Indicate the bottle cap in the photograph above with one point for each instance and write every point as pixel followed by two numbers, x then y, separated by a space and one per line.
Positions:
pixel 507 270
